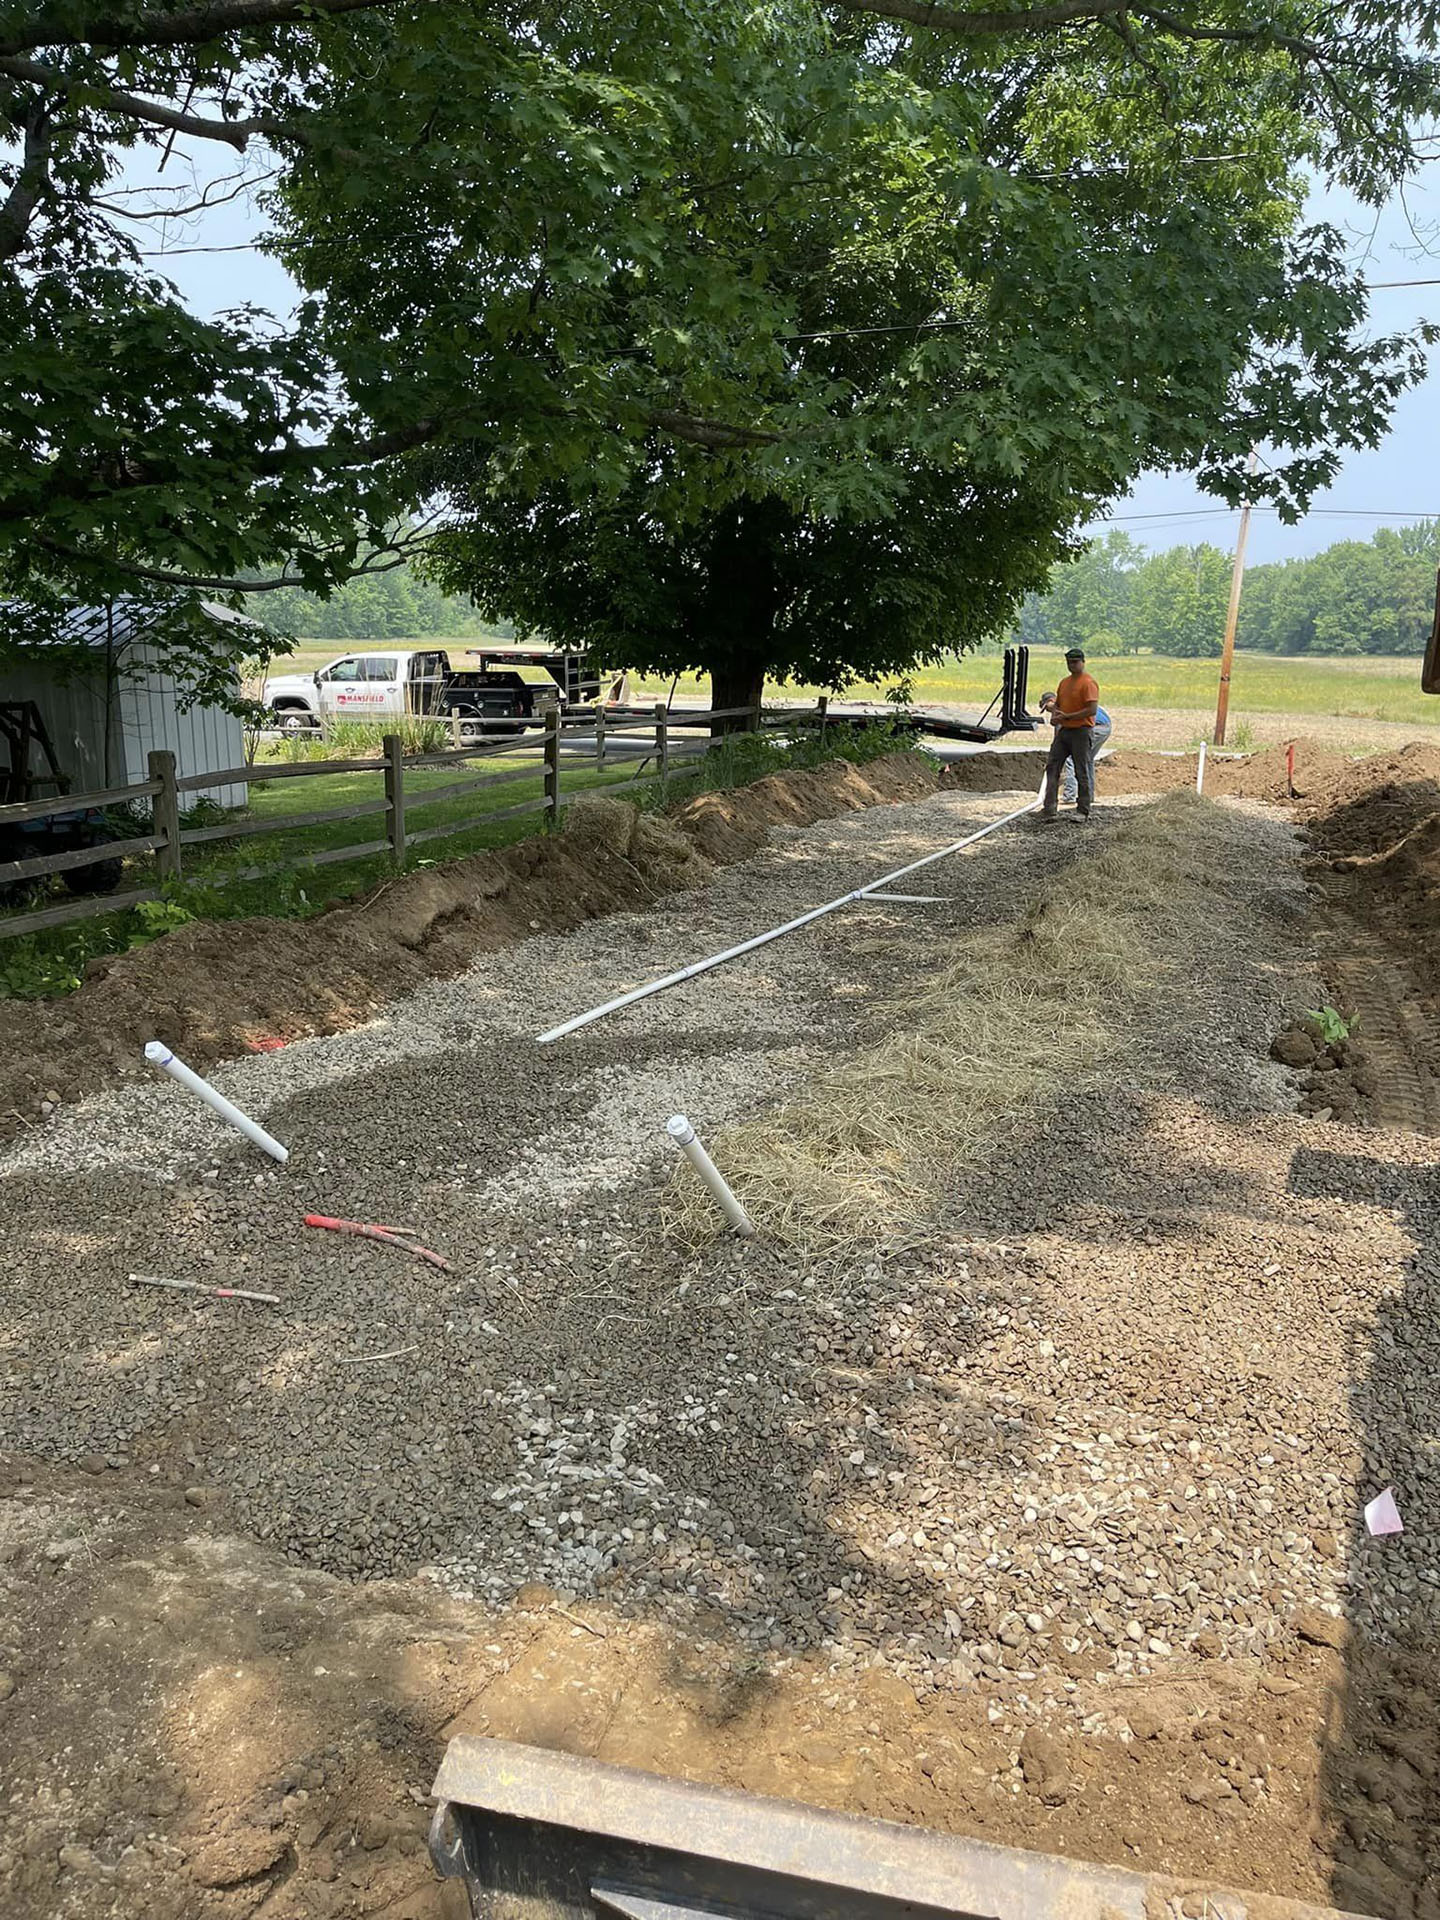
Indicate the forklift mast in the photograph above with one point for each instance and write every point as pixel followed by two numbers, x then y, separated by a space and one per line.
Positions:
pixel 1015 687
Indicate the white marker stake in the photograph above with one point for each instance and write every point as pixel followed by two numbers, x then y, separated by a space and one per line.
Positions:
pixel 1200 770
pixel 683 1134
pixel 159 1055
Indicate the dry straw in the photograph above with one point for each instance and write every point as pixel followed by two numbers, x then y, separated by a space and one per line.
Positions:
pixel 1039 1002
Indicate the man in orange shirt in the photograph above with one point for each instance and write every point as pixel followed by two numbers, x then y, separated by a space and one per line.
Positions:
pixel 1073 717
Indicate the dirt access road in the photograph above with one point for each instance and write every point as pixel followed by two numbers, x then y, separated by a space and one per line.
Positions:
pixel 1037 1519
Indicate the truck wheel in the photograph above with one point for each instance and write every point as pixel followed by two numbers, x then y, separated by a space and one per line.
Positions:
pixel 295 720
pixel 104 877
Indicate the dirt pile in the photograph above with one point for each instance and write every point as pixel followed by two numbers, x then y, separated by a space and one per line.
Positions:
pixel 1375 805
pixel 1375 835
pixel 1319 774
pixel 1341 1078
pixel 734 825
pixel 213 990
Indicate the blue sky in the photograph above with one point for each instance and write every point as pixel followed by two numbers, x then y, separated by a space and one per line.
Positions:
pixel 1394 482
pixel 1397 478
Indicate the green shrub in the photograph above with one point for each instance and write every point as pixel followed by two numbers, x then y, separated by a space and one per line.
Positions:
pixel 364 739
pixel 738 758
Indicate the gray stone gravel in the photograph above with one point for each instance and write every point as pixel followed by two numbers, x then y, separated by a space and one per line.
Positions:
pixel 1123 1405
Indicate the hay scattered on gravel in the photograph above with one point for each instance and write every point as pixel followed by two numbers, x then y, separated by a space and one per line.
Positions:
pixel 1042 1000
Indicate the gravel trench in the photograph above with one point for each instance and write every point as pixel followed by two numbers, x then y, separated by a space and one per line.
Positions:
pixel 1119 1407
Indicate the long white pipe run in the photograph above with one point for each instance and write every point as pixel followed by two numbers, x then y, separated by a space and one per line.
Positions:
pixel 683 1134
pixel 776 933
pixel 159 1055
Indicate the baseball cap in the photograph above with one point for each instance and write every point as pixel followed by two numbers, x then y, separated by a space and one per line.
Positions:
pixel 1075 653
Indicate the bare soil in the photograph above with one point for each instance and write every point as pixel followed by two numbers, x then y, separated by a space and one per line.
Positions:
pixel 1374 833
pixel 1319 772
pixel 198 1727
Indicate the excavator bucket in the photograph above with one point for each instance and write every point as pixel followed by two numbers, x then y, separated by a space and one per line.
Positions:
pixel 549 1836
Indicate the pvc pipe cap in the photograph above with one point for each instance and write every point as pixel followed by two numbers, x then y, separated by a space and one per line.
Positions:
pixel 679 1129
pixel 158 1052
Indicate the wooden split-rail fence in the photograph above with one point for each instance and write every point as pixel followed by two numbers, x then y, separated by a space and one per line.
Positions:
pixel 666 740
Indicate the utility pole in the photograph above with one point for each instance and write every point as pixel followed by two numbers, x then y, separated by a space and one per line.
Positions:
pixel 1227 652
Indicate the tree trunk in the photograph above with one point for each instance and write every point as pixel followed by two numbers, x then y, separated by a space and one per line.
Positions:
pixel 735 683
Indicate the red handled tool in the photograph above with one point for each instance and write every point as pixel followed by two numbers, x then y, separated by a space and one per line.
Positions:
pixel 391 1236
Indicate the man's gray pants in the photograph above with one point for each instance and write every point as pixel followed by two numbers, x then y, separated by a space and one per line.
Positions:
pixel 1099 737
pixel 1070 745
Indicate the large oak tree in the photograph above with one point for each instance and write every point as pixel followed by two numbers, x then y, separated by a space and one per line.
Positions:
pixel 550 254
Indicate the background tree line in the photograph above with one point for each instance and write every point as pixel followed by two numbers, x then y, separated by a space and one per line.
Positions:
pixel 1373 596
pixel 397 605
pixel 1357 596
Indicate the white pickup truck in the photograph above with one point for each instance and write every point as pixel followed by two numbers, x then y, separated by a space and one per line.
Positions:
pixel 386 685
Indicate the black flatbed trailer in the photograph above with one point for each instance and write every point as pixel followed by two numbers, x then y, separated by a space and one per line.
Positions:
pixel 1015 716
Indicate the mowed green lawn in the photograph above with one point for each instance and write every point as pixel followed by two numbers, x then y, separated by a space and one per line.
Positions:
pixel 1365 688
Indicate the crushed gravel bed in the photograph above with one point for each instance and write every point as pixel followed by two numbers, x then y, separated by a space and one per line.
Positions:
pixel 1118 1409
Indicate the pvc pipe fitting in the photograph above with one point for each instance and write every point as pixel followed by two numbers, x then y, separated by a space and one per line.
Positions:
pixel 159 1055
pixel 683 1134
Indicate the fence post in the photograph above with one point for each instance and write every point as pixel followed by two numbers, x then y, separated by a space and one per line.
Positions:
pixel 552 769
pixel 662 739
pixel 599 738
pixel 166 813
pixel 395 794
pixel 757 715
pixel 823 705
pixel 455 740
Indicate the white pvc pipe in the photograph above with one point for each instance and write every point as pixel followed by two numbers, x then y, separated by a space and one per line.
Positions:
pixel 159 1055
pixel 1200 770
pixel 683 1134
pixel 775 933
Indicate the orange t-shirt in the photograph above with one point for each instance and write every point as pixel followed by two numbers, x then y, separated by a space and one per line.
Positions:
pixel 1077 690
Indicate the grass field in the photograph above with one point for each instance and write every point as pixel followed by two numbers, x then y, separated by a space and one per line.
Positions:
pixel 1363 689
pixel 1375 689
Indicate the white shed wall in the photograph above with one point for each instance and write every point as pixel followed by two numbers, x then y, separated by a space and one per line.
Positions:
pixel 202 739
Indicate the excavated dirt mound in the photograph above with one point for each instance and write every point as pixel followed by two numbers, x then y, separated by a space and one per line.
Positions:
pixel 1319 772
pixel 1376 838
pixel 1376 803
pixel 732 826
pixel 214 989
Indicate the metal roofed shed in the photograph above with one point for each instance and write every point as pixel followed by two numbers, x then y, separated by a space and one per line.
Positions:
pixel 107 698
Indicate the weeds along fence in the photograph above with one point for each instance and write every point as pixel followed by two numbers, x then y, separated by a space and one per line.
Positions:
pixel 668 740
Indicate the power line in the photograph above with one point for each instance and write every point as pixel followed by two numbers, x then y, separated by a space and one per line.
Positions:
pixel 1316 513
pixel 950 326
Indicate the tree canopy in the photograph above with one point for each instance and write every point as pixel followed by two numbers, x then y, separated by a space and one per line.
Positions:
pixel 601 254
